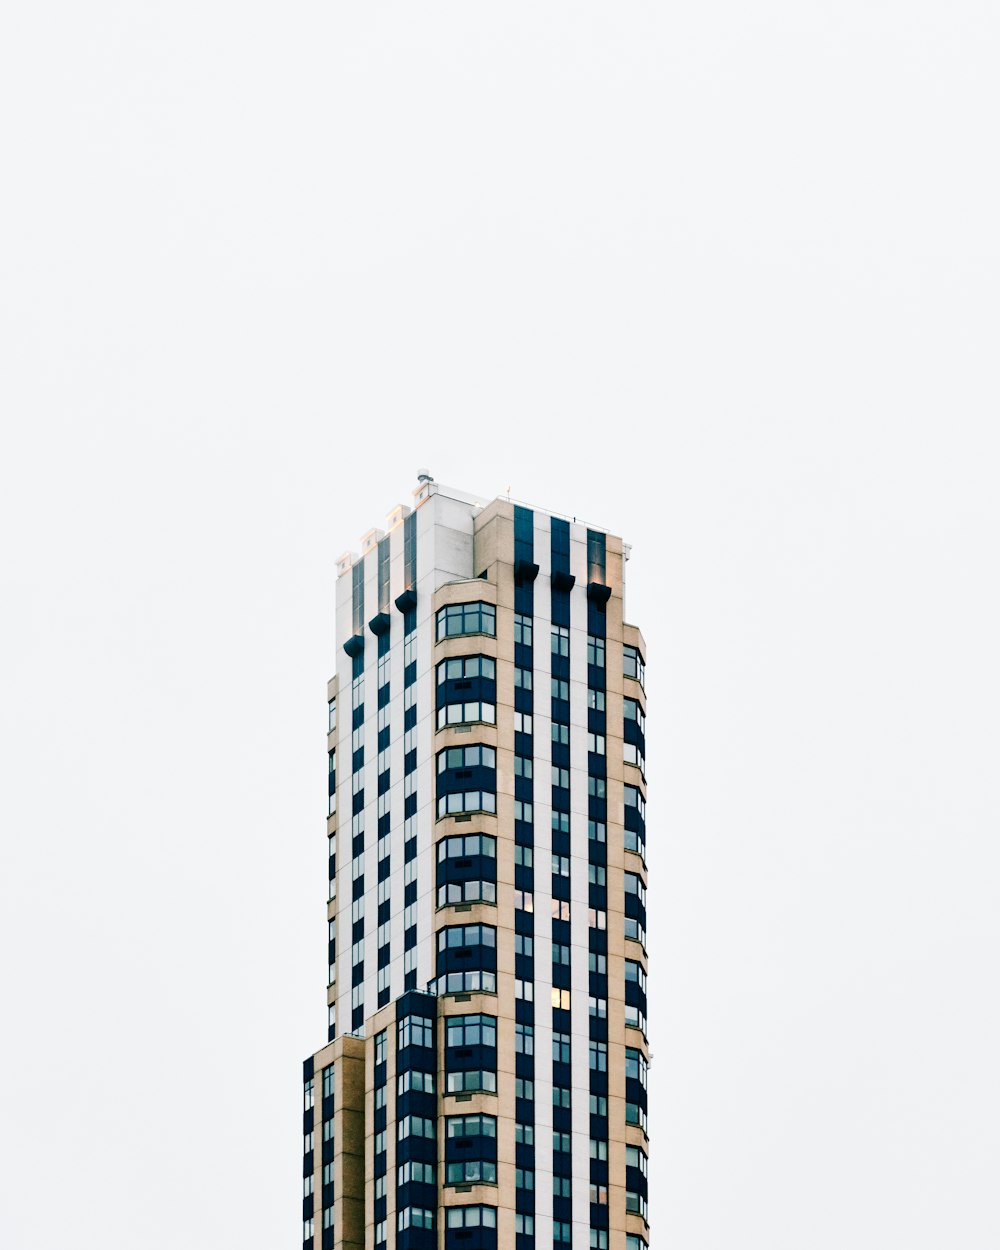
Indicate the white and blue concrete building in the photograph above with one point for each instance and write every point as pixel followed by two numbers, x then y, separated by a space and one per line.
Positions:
pixel 484 1080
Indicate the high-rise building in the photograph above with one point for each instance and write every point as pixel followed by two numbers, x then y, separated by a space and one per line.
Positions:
pixel 484 1080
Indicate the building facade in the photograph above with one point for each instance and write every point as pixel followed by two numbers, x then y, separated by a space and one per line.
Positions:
pixel 484 1081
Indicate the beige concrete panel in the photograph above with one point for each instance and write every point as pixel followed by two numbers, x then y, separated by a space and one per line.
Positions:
pixel 467 590
pixel 465 644
pixel 332 688
pixel 465 736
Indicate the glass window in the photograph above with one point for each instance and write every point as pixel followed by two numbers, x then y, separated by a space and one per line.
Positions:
pixel 466 618
pixel 595 650
pixel 635 665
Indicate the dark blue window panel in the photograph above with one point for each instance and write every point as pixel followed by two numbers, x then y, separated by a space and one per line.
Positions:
pixel 307 1206
pixel 383 696
pixel 409 893
pixel 416 1239
pixel 560 933
pixel 560 607
pixel 409 717
pixel 634 908
pixel 599 941
pixel 358 803
pixel 524 967
pixel 598 1215
pixel 524 1066
pixel 598 985
pixel 597 722
pixel 636 1182
pixel 599 897
pixel 524 533
pixel 308 1166
pixel 327 1156
pixel 597 765
pixel 524 744
pixel 467 959
pixel 560 799
pixel 597 809
pixel 560 888
pixel 383 912
pixel 358 760
pixel 357 888
pixel 410 938
pixel 307 1121
pixel 524 878
pixel 561 976
pixel 457 780
pixel 523 656
pixel 524 833
pixel 524 789
pixel 524 1012
pixel 560 544
pixel 409 849
pixel 383 956
pixel 560 711
pixel 410 762
pixel 599 1171
pixel 467 690
pixel 560 667
pixel 598 1029
pixel 409 677
pixel 635 1091
pixel 409 806
pixel 357 974
pixel 383 782
pixel 410 980
pixel 561 755
pixel 523 701
pixel 596 679
pixel 383 738
pixel 560 1017
pixel 358 717
pixel 634 821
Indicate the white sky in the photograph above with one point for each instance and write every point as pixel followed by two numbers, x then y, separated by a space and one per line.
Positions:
pixel 720 276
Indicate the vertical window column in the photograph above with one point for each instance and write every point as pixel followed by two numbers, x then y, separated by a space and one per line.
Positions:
pixel 357 841
pixel 597 856
pixel 524 876
pixel 410 799
pixel 561 946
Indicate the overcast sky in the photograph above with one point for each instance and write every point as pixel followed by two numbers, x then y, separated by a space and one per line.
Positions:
pixel 719 276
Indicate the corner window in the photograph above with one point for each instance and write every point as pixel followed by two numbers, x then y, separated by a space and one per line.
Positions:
pixel 466 618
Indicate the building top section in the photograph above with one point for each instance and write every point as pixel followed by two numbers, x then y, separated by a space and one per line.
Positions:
pixel 427 489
